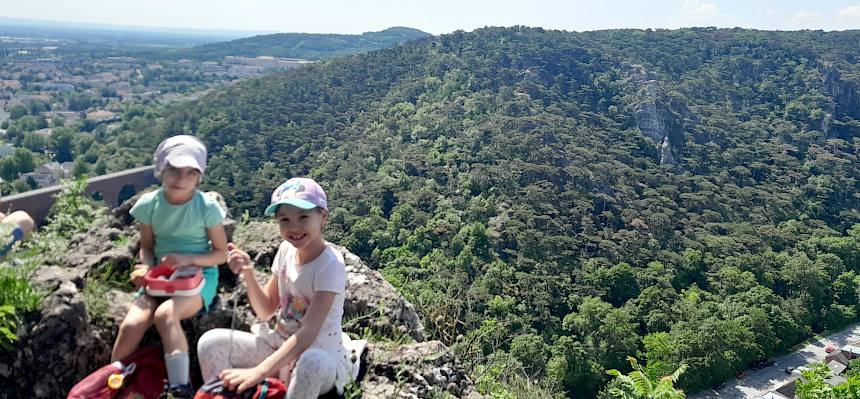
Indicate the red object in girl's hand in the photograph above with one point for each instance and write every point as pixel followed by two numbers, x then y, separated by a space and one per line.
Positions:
pixel 162 280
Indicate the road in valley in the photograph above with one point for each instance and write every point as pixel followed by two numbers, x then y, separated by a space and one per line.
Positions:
pixel 759 382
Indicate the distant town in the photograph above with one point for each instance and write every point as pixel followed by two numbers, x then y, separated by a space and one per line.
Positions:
pixel 46 84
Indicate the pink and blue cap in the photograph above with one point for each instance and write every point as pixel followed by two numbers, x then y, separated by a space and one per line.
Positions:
pixel 299 192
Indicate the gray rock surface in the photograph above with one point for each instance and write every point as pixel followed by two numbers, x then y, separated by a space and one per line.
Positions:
pixel 658 116
pixel 418 370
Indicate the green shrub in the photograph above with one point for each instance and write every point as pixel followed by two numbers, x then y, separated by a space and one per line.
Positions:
pixel 17 295
pixel 72 213
pixel 8 322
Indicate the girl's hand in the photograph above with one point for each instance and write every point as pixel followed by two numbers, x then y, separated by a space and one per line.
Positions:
pixel 175 261
pixel 241 379
pixel 138 275
pixel 238 260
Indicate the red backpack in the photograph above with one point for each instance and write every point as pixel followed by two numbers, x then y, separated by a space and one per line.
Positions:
pixel 270 388
pixel 142 376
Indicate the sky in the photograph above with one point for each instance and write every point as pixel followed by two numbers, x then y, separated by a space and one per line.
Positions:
pixel 443 16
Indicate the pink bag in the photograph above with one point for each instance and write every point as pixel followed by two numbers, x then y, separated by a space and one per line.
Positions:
pixel 141 374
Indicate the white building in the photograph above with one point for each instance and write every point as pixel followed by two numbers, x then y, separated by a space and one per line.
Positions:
pixel 50 173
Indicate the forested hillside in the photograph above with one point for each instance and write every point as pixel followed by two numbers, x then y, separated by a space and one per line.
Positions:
pixel 310 46
pixel 553 202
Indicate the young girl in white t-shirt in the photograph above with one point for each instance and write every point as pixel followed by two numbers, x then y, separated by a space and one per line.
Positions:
pixel 307 286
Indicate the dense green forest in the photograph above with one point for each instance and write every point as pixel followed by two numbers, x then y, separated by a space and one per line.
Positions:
pixel 554 202
pixel 309 46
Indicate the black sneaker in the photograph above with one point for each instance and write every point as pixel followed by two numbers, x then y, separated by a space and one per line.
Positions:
pixel 178 392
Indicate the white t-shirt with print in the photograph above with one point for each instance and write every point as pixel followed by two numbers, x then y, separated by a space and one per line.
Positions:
pixel 296 287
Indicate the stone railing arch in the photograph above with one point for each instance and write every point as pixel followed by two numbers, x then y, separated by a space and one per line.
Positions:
pixel 112 188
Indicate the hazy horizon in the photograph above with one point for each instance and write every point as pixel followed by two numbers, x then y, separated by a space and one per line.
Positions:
pixel 443 16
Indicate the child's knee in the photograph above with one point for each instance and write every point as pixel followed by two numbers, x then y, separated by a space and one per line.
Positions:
pixel 21 219
pixel 212 340
pixel 136 322
pixel 311 362
pixel 166 315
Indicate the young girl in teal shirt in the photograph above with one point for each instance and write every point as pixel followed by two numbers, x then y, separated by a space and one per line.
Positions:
pixel 179 227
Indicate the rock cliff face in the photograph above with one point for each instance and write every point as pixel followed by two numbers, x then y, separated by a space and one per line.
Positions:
pixel 844 93
pixel 844 101
pixel 67 340
pixel 661 118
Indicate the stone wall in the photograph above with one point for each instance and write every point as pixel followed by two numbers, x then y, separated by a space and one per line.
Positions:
pixel 109 187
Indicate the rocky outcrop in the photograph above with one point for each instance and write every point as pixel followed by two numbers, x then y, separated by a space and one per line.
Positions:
pixel 53 348
pixel 844 101
pixel 844 93
pixel 431 372
pixel 666 157
pixel 646 112
pixel 67 340
pixel 658 116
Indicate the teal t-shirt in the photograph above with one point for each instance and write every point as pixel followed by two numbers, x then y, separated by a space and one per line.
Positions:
pixel 181 229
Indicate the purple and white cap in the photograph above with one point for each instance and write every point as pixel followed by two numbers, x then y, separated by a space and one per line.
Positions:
pixel 181 151
pixel 299 192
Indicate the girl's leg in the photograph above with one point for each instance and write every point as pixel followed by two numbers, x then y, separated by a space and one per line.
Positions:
pixel 138 319
pixel 168 316
pixel 314 375
pixel 213 351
